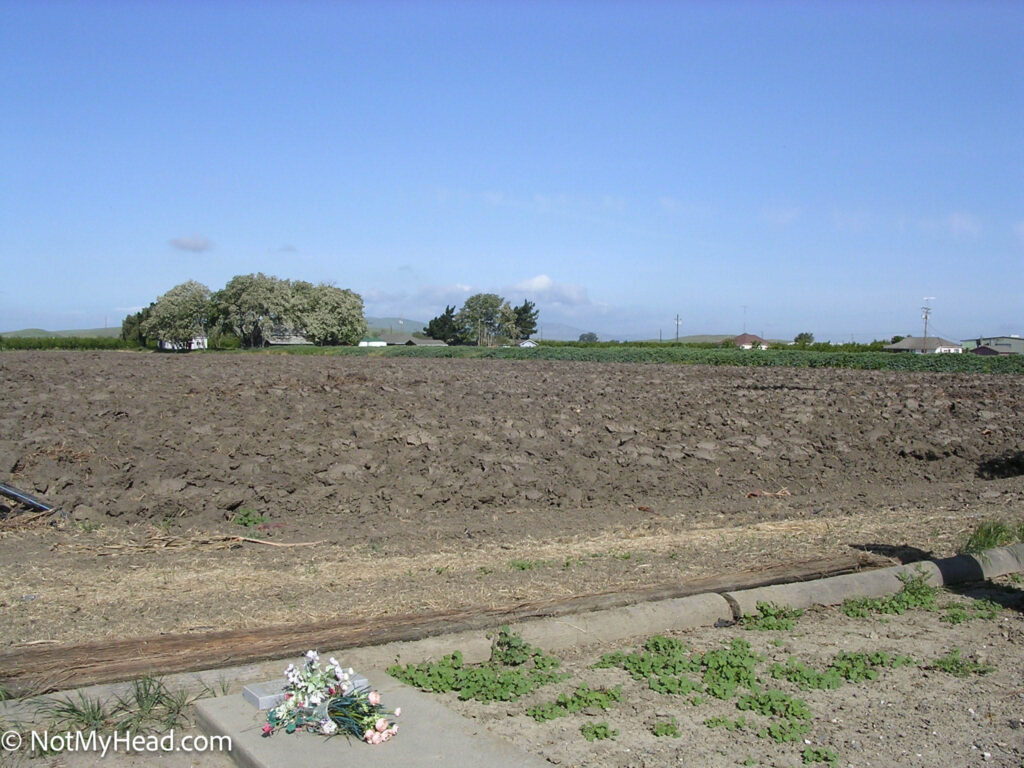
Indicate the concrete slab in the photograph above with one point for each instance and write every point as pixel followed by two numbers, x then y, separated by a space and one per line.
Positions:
pixel 429 735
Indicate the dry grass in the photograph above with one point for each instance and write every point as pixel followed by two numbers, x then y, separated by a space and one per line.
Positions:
pixel 120 582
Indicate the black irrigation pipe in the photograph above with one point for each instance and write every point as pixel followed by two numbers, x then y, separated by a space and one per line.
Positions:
pixel 24 498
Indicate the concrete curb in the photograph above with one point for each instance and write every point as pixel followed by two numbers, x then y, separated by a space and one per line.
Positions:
pixel 885 581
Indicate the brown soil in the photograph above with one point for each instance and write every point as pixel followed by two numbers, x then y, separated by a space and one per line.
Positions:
pixel 436 484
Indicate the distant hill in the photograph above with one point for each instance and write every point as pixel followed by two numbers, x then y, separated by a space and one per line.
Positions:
pixel 81 333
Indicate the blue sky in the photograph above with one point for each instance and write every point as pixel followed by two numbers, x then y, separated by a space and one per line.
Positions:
pixel 792 166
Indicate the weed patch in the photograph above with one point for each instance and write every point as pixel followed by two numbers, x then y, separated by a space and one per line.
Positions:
pixel 514 669
pixel 772 617
pixel 598 731
pixel 916 593
pixel 812 755
pixel 954 664
pixel 667 728
pixel 583 698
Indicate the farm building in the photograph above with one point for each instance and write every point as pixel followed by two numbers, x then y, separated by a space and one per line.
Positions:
pixel 1001 345
pixel 408 340
pixel 199 342
pixel 925 345
pixel 750 341
pixel 528 343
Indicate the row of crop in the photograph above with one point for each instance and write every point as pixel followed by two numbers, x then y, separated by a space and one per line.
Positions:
pixel 626 353
pixel 781 358
pixel 61 342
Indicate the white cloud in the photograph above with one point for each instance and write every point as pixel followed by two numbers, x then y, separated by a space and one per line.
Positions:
pixel 425 302
pixel 544 290
pixel 194 243
pixel 962 224
pixel 781 215
pixel 958 224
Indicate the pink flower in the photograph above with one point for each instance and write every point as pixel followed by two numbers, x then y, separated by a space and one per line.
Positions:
pixel 385 736
pixel 368 736
pixel 374 698
pixel 394 730
pixel 398 712
pixel 376 739
pixel 381 725
pixel 268 729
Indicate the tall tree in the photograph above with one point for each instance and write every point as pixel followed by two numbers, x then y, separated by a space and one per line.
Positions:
pixel 180 315
pixel 804 339
pixel 445 328
pixel 526 319
pixel 479 317
pixel 131 326
pixel 251 305
pixel 328 315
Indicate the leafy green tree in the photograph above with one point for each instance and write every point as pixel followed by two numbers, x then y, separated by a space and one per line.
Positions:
pixel 179 315
pixel 445 328
pixel 897 339
pixel 480 318
pixel 328 315
pixel 250 306
pixel 526 319
pixel 131 327
pixel 804 339
pixel 588 337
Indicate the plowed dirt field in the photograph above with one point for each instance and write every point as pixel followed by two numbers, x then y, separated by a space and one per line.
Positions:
pixel 433 484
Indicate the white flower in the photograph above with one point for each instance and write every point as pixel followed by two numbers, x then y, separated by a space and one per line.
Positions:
pixel 328 727
pixel 333 662
pixel 313 657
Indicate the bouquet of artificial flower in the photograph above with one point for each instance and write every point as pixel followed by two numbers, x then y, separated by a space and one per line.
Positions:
pixel 324 700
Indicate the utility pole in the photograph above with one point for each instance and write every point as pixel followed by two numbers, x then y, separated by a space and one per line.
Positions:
pixel 926 310
pixel 677 327
pixel 744 318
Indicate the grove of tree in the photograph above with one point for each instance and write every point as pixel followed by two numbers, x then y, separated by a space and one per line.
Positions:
pixel 485 319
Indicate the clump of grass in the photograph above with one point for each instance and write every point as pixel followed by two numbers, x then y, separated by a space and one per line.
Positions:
pixel 992 533
pixel 514 669
pixel 772 617
pixel 147 706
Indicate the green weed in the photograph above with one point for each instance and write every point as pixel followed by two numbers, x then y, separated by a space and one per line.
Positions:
pixel 598 731
pixel 667 728
pixel 772 617
pixel 916 593
pixel 813 755
pixel 954 664
pixel 514 669
pixel 583 698
pixel 248 518
pixel 525 565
